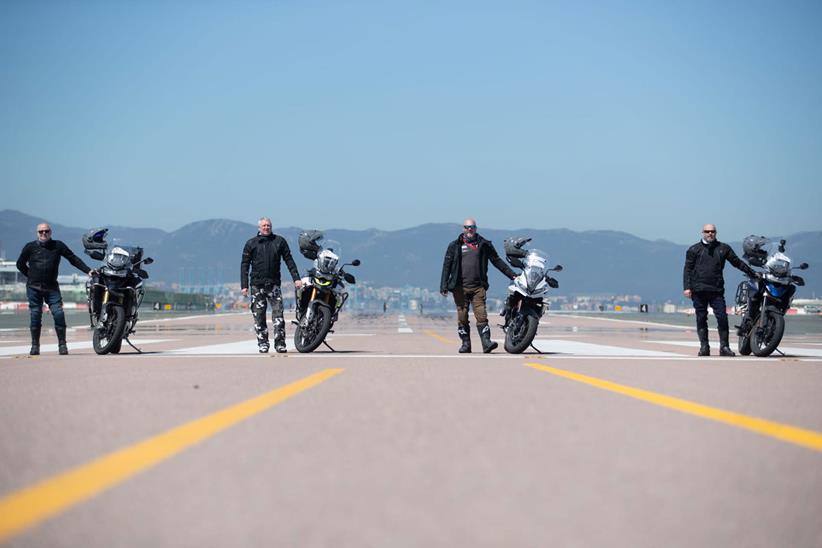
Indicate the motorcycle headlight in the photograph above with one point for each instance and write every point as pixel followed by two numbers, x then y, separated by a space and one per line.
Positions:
pixel 779 267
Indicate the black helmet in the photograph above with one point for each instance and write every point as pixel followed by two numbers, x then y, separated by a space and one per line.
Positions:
pixel 752 249
pixel 514 251
pixel 308 243
pixel 94 243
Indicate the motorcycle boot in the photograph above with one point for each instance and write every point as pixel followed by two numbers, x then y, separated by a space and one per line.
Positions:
pixel 485 336
pixel 61 340
pixel 704 347
pixel 279 336
pixel 465 337
pixel 724 347
pixel 35 342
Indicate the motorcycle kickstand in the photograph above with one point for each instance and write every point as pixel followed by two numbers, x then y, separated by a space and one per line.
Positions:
pixel 131 345
pixel 780 352
pixel 535 348
pixel 328 345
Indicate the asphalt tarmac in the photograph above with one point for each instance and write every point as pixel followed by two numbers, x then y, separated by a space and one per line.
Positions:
pixel 612 433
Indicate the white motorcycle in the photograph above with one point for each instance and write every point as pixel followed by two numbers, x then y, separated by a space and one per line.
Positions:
pixel 526 304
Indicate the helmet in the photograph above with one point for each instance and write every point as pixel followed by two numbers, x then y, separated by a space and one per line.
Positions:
pixel 752 249
pixel 308 243
pixel 95 238
pixel 514 252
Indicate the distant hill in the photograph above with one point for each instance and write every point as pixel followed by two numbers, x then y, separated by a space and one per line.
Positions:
pixel 596 262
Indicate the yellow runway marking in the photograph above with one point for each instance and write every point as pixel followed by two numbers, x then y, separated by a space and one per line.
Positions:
pixel 782 432
pixel 29 506
pixel 438 337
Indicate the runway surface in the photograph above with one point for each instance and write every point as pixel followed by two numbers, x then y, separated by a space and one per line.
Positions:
pixel 612 433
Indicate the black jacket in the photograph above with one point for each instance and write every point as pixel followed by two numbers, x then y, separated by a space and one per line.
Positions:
pixel 263 254
pixel 704 264
pixel 40 263
pixel 452 270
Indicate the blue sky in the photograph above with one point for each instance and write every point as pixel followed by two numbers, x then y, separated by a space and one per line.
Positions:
pixel 647 117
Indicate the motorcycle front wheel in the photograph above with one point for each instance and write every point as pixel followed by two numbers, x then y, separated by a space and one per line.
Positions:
pixel 520 333
pixel 765 338
pixel 109 336
pixel 309 335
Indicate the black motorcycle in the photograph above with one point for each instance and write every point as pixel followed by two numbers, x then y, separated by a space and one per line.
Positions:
pixel 526 304
pixel 764 299
pixel 115 292
pixel 322 294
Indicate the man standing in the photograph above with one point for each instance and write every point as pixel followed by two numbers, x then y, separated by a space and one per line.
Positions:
pixel 465 274
pixel 39 263
pixel 703 282
pixel 263 254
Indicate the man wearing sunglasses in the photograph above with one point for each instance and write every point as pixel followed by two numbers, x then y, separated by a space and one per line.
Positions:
pixel 465 274
pixel 39 263
pixel 704 284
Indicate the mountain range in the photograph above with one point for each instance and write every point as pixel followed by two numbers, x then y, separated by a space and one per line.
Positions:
pixel 598 262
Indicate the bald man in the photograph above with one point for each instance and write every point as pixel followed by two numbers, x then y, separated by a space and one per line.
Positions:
pixel 39 262
pixel 704 284
pixel 465 274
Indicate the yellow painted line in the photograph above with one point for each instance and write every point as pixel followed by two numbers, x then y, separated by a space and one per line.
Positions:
pixel 783 432
pixel 30 506
pixel 438 337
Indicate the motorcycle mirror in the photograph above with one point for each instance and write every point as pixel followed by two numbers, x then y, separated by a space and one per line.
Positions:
pixel 782 246
pixel 355 262
pixel 349 277
pixel 148 260
pixel 803 266
pixel 557 268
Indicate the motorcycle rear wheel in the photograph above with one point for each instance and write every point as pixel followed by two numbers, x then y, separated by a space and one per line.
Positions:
pixel 307 338
pixel 520 333
pixel 765 339
pixel 109 336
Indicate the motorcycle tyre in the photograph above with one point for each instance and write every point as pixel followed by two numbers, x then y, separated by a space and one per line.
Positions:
pixel 322 318
pixel 527 338
pixel 778 331
pixel 117 316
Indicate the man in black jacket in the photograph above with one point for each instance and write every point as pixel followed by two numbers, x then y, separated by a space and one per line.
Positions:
pixel 39 262
pixel 703 282
pixel 465 274
pixel 263 254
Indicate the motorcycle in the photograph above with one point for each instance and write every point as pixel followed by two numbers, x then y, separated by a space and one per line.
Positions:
pixel 526 304
pixel 764 299
pixel 322 294
pixel 115 292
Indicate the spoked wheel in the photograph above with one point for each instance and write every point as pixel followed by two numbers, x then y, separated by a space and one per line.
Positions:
pixel 520 333
pixel 311 333
pixel 765 338
pixel 108 337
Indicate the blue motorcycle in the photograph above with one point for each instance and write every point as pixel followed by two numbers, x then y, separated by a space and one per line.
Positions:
pixel 764 299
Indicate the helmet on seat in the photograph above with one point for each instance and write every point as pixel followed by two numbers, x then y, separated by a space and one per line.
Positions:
pixel 308 243
pixel 752 249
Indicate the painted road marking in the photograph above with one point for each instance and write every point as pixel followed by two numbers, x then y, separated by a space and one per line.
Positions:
pixel 657 324
pixel 30 506
pixel 579 348
pixel 791 350
pixel 783 432
pixel 403 325
pixel 46 348
pixel 438 337
pixel 248 346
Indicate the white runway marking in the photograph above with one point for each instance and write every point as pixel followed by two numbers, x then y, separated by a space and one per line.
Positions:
pixel 47 348
pixel 789 350
pixel 656 324
pixel 589 349
pixel 403 328
pixel 240 347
